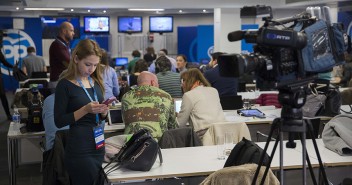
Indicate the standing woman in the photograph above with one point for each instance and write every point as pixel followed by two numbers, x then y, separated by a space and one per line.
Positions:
pixel 111 83
pixel 181 63
pixel 200 103
pixel 78 93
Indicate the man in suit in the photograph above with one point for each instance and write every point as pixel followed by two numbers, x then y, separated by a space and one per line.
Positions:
pixel 226 86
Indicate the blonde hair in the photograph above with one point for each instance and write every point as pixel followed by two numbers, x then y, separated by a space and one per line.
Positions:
pixel 191 76
pixel 85 48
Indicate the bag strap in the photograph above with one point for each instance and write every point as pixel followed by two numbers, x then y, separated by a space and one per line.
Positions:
pixel 347 112
pixel 160 156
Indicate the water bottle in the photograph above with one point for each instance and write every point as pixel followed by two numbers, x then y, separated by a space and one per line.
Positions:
pixel 16 118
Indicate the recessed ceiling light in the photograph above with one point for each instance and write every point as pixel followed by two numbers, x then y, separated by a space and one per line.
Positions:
pixel 180 11
pixel 104 11
pixel 46 9
pixel 204 10
pixel 88 10
pixel 17 8
pixel 144 9
pixel 72 10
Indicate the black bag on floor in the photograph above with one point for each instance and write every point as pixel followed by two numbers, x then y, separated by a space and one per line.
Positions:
pixel 245 152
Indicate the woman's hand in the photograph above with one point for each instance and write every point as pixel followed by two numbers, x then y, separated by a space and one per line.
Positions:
pixel 96 108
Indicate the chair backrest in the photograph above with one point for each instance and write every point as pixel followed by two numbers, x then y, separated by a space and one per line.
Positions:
pixel 231 102
pixel 238 130
pixel 242 174
pixel 178 138
pixel 39 75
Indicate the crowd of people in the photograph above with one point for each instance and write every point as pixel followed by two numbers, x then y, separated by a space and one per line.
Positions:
pixel 84 79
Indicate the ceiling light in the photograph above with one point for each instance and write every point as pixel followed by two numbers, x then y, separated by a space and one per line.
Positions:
pixel 72 10
pixel 144 9
pixel 180 11
pixel 46 9
pixel 88 10
pixel 204 10
pixel 104 11
pixel 17 8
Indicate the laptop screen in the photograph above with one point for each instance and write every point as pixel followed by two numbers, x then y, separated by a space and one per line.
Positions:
pixel 115 116
pixel 178 103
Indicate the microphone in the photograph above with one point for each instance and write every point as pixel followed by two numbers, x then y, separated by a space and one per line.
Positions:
pixel 235 35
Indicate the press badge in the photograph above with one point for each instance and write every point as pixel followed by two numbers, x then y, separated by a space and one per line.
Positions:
pixel 99 137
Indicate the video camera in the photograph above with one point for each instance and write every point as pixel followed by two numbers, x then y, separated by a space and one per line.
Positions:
pixel 310 45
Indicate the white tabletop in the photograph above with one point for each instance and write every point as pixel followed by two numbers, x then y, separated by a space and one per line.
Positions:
pixel 328 157
pixel 195 161
pixel 270 116
pixel 255 95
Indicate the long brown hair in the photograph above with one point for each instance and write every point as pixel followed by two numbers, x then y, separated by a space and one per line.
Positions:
pixel 85 48
pixel 191 76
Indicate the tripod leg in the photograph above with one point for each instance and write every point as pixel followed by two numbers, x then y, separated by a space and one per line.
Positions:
pixel 270 159
pixel 273 126
pixel 321 167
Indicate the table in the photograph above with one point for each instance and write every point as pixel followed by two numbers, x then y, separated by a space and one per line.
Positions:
pixel 14 135
pixel 199 161
pixel 328 157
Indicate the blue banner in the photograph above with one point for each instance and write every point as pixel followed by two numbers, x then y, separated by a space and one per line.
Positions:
pixel 205 38
pixel 188 44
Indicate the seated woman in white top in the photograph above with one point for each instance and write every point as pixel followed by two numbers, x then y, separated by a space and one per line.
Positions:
pixel 200 103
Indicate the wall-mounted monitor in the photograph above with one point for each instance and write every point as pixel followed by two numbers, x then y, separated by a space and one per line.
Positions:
pixel 121 61
pixel 96 24
pixel 51 24
pixel 129 24
pixel 161 24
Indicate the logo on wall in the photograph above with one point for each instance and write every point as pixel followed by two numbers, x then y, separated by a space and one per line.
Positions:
pixel 210 51
pixel 15 46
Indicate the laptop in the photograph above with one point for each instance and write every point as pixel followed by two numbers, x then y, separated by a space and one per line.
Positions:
pixel 115 116
pixel 177 102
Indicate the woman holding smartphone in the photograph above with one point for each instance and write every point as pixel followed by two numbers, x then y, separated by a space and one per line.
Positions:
pixel 78 93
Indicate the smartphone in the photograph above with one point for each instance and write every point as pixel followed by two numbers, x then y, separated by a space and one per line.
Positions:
pixel 251 113
pixel 109 100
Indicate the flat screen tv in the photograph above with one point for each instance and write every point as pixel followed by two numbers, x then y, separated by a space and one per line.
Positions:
pixel 96 24
pixel 51 24
pixel 129 24
pixel 121 61
pixel 161 24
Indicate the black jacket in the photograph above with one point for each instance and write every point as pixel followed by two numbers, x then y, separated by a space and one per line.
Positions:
pixel 54 171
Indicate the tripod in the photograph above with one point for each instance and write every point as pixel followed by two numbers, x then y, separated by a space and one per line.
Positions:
pixel 292 98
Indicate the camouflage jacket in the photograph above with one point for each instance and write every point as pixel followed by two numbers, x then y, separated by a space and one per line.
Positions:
pixel 148 107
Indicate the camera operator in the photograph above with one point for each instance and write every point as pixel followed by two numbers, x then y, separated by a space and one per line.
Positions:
pixel 4 101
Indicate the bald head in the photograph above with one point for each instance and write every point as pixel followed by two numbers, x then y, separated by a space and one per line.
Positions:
pixel 147 78
pixel 66 31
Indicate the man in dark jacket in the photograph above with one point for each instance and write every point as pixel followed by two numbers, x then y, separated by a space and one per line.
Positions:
pixel 4 101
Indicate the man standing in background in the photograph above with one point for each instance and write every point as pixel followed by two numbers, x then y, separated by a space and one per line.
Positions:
pixel 59 51
pixel 33 63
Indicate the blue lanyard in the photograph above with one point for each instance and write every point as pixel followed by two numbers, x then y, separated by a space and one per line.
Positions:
pixel 68 48
pixel 95 94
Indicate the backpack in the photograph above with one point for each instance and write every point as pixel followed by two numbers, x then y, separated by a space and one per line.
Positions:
pixel 245 152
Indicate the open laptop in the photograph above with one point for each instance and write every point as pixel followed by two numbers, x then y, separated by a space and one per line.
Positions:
pixel 177 102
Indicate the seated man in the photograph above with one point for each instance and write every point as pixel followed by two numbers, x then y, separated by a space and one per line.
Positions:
pixel 48 121
pixel 148 107
pixel 226 86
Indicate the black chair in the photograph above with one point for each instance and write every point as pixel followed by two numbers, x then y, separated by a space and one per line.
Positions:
pixel 231 102
pixel 39 75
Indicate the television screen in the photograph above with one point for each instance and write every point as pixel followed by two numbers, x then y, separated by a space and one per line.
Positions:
pixel 51 24
pixel 130 24
pixel 160 24
pixel 121 61
pixel 96 24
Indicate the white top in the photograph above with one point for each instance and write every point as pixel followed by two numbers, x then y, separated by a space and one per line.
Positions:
pixel 200 108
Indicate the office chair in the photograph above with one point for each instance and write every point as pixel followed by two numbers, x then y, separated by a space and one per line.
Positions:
pixel 39 75
pixel 231 102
